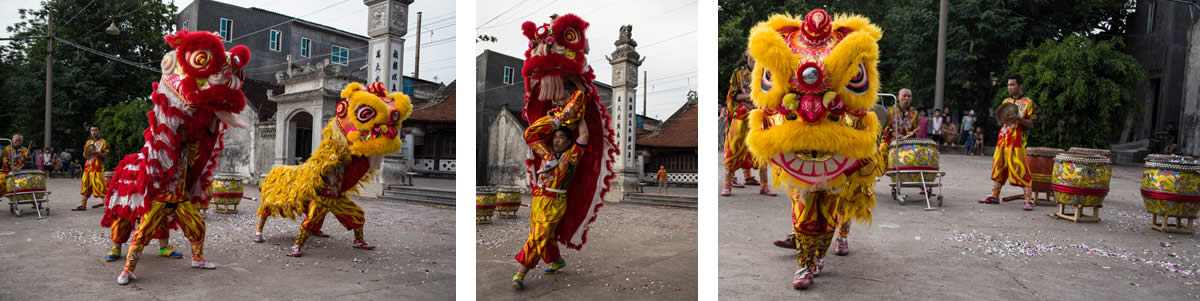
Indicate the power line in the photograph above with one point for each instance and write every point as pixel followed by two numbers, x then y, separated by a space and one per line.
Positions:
pixel 77 13
pixel 108 56
pixel 543 7
pixel 500 14
pixel 288 21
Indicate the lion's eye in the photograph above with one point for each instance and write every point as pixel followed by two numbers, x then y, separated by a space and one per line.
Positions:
pixel 364 113
pixel 859 83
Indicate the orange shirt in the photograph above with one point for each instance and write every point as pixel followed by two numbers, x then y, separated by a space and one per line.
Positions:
pixel 1013 134
pixel 662 174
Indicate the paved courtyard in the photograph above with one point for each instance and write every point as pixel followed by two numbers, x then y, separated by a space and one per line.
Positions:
pixel 60 257
pixel 964 250
pixel 634 252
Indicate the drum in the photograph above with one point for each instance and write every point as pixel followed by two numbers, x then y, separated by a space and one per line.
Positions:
pixel 1091 151
pixel 1165 157
pixel 507 202
pixel 485 204
pixel 108 175
pixel 25 181
pixel 1081 179
pixel 226 192
pixel 1172 188
pixel 1041 166
pixel 917 154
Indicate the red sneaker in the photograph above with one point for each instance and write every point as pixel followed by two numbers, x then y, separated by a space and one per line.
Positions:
pixel 990 200
pixel 752 181
pixel 1028 205
pixel 363 245
pixel 726 191
pixel 843 246
pixel 817 269
pixel 802 279
pixel 788 242
pixel 80 208
pixel 320 234
pixel 736 185
pixel 295 252
pixel 766 191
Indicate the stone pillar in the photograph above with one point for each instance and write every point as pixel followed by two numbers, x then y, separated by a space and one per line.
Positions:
pixel 387 23
pixel 1189 122
pixel 625 62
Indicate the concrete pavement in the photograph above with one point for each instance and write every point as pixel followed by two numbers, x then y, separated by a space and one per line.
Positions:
pixel 964 250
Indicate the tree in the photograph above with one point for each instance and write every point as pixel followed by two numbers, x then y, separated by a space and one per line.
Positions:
pixel 83 82
pixel 1082 90
pixel 122 125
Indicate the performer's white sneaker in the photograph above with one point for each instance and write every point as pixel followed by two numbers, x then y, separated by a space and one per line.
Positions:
pixel 125 276
pixel 203 264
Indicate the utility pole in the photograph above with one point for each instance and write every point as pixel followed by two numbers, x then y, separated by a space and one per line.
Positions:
pixel 645 87
pixel 939 92
pixel 49 72
pixel 417 61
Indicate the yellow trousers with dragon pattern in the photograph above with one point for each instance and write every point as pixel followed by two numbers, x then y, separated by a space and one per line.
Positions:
pixel 544 215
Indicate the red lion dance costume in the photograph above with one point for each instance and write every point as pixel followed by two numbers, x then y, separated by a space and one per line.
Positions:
pixel 558 93
pixel 194 102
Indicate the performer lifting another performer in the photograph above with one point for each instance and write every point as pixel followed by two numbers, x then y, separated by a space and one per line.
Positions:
pixel 571 140
pixel 1008 162
pixel 194 102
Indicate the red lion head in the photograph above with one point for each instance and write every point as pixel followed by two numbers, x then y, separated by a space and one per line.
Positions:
pixel 555 62
pixel 205 75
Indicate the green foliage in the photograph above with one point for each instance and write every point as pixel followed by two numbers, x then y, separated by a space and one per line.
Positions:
pixel 486 38
pixel 83 82
pixel 980 36
pixel 1082 90
pixel 122 124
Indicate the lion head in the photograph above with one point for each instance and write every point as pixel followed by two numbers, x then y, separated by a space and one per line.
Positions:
pixel 814 81
pixel 369 118
pixel 202 73
pixel 557 54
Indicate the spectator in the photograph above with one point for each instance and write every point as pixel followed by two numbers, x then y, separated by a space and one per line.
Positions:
pixel 662 179
pixel 968 127
pixel 922 125
pixel 75 168
pixel 978 145
pixel 936 134
pixel 949 131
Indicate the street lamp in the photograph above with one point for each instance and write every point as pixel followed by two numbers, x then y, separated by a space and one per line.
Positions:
pixel 112 29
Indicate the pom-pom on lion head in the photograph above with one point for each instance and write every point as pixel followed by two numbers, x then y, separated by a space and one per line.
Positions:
pixel 557 54
pixel 370 118
pixel 814 80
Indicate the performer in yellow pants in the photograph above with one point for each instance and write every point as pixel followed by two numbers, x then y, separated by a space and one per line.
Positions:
pixel 550 197
pixel 122 229
pixel 737 155
pixel 95 151
pixel 1008 162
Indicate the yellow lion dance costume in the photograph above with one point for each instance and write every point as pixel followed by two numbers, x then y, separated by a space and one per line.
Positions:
pixel 352 149
pixel 814 82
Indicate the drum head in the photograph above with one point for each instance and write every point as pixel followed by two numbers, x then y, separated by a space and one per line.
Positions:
pixel 880 113
pixel 1003 112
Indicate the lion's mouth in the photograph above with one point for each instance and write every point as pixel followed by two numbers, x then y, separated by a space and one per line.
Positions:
pixel 814 167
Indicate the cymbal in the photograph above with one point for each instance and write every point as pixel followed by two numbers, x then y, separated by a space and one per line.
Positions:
pixel 1003 112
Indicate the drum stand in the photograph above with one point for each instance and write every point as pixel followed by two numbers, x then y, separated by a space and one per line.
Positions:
pixel 1047 201
pixel 925 186
pixel 1182 224
pixel 38 200
pixel 1077 215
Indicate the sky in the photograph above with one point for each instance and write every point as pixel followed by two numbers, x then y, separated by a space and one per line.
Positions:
pixel 664 30
pixel 349 15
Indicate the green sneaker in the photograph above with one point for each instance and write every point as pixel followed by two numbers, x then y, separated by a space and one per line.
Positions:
pixel 555 267
pixel 518 281
pixel 169 252
pixel 113 254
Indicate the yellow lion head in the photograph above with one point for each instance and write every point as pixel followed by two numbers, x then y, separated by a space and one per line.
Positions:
pixel 814 81
pixel 370 117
